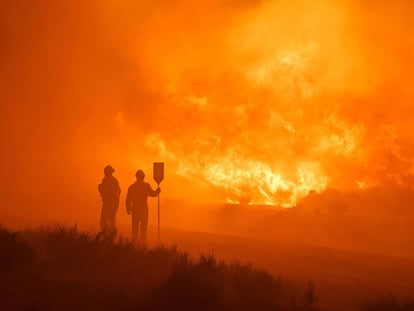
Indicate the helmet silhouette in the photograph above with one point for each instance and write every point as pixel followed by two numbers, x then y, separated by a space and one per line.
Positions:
pixel 140 174
pixel 108 170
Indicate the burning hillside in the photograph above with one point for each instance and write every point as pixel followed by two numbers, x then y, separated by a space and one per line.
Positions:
pixel 245 101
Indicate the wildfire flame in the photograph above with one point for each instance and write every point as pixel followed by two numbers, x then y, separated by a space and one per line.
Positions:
pixel 252 101
pixel 245 180
pixel 264 139
pixel 278 102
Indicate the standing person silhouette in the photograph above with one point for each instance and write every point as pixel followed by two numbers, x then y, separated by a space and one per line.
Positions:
pixel 137 204
pixel 109 190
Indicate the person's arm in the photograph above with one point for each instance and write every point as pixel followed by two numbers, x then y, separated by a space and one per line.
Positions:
pixel 153 193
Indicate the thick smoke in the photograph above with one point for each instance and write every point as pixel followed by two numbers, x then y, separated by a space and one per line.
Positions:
pixel 260 101
pixel 293 99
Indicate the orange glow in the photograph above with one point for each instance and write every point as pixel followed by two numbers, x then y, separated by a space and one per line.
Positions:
pixel 285 128
pixel 245 180
pixel 252 101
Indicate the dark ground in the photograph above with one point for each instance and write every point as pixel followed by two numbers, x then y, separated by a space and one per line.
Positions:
pixel 63 268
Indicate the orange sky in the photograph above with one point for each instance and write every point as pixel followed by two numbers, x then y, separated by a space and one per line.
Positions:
pixel 261 101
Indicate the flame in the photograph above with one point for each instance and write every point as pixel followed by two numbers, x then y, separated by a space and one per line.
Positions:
pixel 276 101
pixel 244 180
pixel 273 128
pixel 267 134
pixel 249 101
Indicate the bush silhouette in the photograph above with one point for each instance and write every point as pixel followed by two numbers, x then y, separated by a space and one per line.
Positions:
pixel 95 271
pixel 193 285
pixel 14 252
pixel 59 267
pixel 388 303
pixel 206 284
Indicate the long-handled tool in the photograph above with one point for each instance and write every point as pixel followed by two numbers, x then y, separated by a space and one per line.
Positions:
pixel 158 175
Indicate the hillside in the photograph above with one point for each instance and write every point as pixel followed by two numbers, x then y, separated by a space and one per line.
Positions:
pixel 62 268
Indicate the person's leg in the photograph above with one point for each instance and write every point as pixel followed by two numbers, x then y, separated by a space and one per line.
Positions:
pixel 102 220
pixel 112 219
pixel 135 224
pixel 112 215
pixel 144 226
pixel 104 217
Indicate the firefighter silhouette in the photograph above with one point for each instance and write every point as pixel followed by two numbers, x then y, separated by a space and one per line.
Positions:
pixel 137 205
pixel 109 190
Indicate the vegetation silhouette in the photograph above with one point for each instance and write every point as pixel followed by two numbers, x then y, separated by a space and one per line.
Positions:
pixel 14 252
pixel 59 267
pixel 388 303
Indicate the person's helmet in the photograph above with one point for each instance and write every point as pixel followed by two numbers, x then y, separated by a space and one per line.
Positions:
pixel 108 170
pixel 140 174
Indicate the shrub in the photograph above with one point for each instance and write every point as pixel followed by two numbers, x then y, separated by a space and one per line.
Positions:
pixel 193 285
pixel 206 284
pixel 13 251
pixel 95 271
pixel 388 303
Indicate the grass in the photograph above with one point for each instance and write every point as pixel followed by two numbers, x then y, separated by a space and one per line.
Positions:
pixel 59 267
pixel 14 251
pixel 388 303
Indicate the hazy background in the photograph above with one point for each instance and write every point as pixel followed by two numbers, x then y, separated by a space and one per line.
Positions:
pixel 251 101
